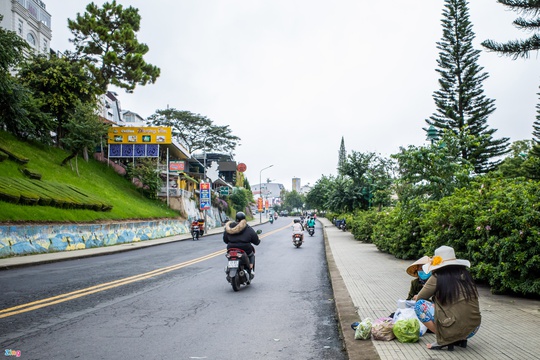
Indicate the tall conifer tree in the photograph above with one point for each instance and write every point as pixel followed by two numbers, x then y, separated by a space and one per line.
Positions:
pixel 522 49
pixel 461 104
pixel 342 155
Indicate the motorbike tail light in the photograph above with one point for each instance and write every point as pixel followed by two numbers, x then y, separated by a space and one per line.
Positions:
pixel 232 254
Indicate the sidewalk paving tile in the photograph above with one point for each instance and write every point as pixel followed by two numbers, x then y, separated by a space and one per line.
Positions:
pixel 375 281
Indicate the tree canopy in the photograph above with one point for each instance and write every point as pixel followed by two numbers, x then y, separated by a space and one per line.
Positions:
pixel 531 23
pixel 461 104
pixel 60 84
pixel 105 38
pixel 196 132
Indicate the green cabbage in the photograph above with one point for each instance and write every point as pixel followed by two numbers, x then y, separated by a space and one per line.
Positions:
pixel 407 330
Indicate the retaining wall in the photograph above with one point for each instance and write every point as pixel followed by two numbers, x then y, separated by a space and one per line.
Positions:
pixel 35 239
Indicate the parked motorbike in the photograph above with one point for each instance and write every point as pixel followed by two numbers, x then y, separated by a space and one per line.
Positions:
pixel 341 224
pixel 311 230
pixel 297 240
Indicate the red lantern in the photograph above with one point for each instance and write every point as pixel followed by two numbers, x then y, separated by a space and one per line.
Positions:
pixel 241 167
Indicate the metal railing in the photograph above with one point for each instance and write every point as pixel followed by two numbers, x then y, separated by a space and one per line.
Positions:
pixel 175 192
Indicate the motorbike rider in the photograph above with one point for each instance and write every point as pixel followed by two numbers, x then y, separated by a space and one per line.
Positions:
pixel 298 228
pixel 195 226
pixel 311 223
pixel 238 234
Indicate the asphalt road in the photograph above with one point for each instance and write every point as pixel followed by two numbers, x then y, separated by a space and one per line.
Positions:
pixel 172 302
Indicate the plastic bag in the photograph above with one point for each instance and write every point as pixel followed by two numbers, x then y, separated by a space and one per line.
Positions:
pixel 363 331
pixel 403 304
pixel 407 330
pixel 382 329
pixel 409 313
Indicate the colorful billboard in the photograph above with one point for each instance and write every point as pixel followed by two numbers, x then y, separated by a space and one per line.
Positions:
pixel 139 135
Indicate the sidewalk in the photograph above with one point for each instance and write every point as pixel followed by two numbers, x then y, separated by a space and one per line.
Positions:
pixel 375 281
pixel 368 283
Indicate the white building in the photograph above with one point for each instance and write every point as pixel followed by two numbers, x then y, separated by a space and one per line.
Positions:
pixel 30 20
pixel 270 191
pixel 111 109
pixel 133 119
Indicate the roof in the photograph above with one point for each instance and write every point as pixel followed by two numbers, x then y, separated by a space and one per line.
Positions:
pixel 187 177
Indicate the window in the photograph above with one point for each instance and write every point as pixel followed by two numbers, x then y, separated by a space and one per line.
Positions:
pixel 45 50
pixel 20 28
pixel 31 39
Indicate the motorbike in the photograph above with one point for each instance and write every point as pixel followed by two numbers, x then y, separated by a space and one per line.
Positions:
pixel 341 225
pixel 271 219
pixel 297 240
pixel 195 232
pixel 311 230
pixel 237 268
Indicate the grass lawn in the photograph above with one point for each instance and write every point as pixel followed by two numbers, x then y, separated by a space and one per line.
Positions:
pixel 96 179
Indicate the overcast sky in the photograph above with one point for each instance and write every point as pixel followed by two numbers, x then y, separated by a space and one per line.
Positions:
pixel 292 77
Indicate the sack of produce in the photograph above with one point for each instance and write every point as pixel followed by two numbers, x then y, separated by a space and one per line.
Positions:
pixel 363 330
pixel 382 329
pixel 407 330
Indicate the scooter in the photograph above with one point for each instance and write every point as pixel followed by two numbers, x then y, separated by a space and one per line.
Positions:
pixel 237 268
pixel 311 230
pixel 271 219
pixel 297 240
pixel 195 232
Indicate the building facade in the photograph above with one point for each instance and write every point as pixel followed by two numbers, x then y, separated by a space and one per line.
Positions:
pixel 30 20
pixel 296 184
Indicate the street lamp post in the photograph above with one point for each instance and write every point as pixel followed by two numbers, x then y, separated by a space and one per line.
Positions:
pixel 260 190
pixel 204 177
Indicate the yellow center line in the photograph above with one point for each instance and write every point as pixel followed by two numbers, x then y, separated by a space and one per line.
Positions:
pixel 19 309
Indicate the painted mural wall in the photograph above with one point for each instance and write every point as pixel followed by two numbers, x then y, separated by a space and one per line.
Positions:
pixel 36 239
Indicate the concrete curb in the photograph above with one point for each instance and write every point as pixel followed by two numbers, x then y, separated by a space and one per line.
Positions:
pixel 346 312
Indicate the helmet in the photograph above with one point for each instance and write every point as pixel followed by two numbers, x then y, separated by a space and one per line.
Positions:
pixel 296 220
pixel 240 216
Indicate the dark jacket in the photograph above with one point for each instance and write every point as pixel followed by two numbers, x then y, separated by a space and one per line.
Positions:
pixel 416 286
pixel 240 235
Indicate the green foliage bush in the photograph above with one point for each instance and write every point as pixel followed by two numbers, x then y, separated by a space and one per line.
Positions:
pixel 496 224
pixel 397 230
pixel 361 224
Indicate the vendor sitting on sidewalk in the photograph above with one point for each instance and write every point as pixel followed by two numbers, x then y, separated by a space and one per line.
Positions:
pixel 420 277
pixel 454 314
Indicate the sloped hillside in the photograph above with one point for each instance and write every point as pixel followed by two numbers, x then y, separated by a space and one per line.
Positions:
pixel 35 188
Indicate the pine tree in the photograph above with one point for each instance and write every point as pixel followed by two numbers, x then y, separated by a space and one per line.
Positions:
pixel 536 131
pixel 532 165
pixel 520 48
pixel 342 155
pixel 461 104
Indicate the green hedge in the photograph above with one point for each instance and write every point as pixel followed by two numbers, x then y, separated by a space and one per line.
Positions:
pixel 494 223
pixel 15 157
pixel 35 192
